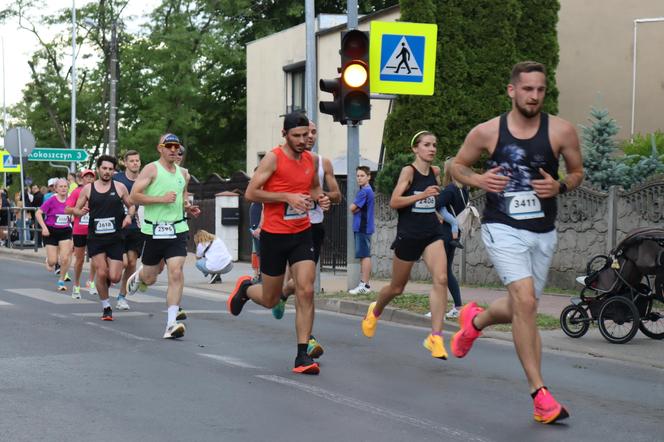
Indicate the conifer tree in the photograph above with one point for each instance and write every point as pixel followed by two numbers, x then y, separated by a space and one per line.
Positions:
pixel 602 169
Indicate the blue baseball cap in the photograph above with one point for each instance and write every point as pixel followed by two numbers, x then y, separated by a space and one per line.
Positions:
pixel 169 139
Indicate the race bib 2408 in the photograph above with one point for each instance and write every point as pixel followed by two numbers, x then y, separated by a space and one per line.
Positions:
pixel 427 205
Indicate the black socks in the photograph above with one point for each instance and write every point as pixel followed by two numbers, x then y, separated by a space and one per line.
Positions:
pixel 534 393
pixel 302 348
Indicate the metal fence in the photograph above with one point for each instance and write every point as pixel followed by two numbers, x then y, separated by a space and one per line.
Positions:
pixel 333 253
pixel 22 228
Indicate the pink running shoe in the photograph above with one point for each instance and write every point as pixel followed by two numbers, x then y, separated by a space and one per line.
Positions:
pixel 547 409
pixel 463 340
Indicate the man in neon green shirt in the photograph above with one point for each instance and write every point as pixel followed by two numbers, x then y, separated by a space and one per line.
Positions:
pixel 161 188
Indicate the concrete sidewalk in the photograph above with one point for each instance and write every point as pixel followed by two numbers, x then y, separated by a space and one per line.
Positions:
pixel 641 350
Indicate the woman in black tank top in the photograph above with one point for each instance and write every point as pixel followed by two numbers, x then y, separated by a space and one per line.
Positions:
pixel 419 234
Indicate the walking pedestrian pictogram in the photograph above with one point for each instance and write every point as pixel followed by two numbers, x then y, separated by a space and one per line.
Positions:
pixel 7 164
pixel 403 58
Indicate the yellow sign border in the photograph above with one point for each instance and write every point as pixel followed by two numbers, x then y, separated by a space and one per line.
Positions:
pixel 429 32
pixel 16 168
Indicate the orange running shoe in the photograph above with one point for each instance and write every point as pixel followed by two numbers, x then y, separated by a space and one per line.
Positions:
pixel 463 340
pixel 238 296
pixel 304 364
pixel 547 409
pixel 369 322
pixel 436 346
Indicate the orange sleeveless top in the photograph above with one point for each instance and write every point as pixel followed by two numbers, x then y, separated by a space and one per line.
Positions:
pixel 291 176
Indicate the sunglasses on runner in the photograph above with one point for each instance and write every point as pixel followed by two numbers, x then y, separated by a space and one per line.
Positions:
pixel 171 146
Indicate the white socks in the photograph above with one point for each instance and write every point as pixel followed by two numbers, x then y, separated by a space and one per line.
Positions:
pixel 105 303
pixel 172 314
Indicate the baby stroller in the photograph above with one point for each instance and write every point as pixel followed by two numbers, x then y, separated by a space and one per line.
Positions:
pixel 623 292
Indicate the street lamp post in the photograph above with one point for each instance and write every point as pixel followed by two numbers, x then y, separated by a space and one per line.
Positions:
pixel 72 143
pixel 112 111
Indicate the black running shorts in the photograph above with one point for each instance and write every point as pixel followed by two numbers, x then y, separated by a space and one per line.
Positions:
pixel 56 235
pixel 155 250
pixel 133 240
pixel 80 240
pixel 112 249
pixel 277 249
pixel 408 249
pixel 318 235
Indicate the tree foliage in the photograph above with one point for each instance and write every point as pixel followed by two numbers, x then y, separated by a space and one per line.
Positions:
pixel 478 42
pixel 184 72
pixel 603 165
pixel 599 148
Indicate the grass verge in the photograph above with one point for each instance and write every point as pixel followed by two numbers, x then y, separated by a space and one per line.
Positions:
pixel 417 303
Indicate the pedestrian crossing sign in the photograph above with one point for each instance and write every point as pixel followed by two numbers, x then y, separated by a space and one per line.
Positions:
pixel 403 58
pixel 7 164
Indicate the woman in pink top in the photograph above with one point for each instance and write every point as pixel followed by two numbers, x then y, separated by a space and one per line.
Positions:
pixel 56 230
pixel 81 237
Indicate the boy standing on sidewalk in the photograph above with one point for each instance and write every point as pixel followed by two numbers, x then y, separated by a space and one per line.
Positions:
pixel 363 227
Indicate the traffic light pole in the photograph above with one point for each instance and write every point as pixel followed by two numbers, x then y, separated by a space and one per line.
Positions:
pixel 310 86
pixel 352 161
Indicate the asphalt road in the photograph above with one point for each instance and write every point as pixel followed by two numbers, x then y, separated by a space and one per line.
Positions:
pixel 66 375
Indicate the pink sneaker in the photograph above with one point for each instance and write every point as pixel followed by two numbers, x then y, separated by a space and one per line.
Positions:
pixel 547 409
pixel 463 340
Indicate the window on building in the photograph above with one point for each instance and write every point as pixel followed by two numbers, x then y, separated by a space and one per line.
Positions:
pixel 295 87
pixel 297 95
pixel 261 155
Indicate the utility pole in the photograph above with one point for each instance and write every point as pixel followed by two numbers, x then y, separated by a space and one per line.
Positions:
pixel 4 111
pixel 72 143
pixel 352 161
pixel 112 112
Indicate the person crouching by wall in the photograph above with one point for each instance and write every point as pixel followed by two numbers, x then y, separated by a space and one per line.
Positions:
pixel 212 257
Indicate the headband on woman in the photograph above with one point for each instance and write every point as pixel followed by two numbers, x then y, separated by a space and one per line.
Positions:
pixel 412 141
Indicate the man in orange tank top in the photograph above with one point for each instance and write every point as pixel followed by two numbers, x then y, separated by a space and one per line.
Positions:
pixel 287 184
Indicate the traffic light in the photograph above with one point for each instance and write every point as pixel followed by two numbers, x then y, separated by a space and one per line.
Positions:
pixel 351 89
pixel 333 86
pixel 355 100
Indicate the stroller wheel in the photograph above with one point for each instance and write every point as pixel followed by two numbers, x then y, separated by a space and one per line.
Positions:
pixel 574 321
pixel 618 319
pixel 652 324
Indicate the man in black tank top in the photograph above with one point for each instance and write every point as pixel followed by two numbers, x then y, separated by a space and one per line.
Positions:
pixel 521 184
pixel 106 201
pixel 132 237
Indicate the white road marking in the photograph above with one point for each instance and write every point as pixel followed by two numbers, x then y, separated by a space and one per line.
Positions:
pixel 198 312
pixel 145 299
pixel 3 303
pixel 373 409
pixel 228 360
pixel 119 314
pixel 60 315
pixel 194 293
pixel 119 332
pixel 51 297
